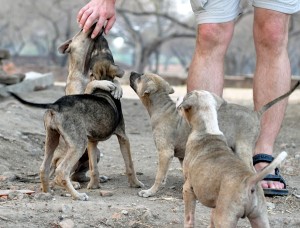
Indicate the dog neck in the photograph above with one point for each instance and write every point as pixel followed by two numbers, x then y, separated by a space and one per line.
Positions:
pixel 206 122
pixel 76 74
pixel 211 124
pixel 198 140
pixel 159 100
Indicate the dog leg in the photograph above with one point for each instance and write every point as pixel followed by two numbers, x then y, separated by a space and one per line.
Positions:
pixel 94 172
pixel 103 84
pixel 261 221
pixel 244 149
pixel 125 150
pixel 181 162
pixel 79 174
pixel 51 142
pixel 223 216
pixel 76 147
pixel 212 225
pixel 164 160
pixel 189 199
pixel 259 217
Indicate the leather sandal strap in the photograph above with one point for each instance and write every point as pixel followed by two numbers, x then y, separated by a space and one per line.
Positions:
pixel 262 158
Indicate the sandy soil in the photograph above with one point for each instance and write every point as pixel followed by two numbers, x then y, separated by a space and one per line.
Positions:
pixel 21 145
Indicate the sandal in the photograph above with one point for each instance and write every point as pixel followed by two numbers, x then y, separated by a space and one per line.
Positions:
pixel 271 177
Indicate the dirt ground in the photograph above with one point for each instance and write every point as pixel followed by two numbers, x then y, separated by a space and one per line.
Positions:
pixel 21 152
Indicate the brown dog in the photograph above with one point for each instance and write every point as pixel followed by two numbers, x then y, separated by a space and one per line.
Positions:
pixel 170 131
pixel 216 176
pixel 85 55
pixel 79 50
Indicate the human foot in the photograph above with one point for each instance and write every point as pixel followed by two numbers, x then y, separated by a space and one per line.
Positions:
pixel 273 184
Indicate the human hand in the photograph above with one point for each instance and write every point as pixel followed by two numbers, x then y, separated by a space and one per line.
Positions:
pixel 100 11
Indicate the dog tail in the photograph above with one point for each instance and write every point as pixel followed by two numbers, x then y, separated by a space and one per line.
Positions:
pixel 35 105
pixel 271 103
pixel 268 169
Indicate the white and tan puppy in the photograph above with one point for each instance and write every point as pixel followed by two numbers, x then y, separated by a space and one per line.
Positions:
pixel 214 174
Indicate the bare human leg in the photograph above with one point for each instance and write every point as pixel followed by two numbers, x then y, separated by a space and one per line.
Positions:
pixel 271 78
pixel 207 67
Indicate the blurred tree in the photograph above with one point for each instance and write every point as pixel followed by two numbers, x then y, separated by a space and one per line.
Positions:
pixel 155 32
pixel 146 25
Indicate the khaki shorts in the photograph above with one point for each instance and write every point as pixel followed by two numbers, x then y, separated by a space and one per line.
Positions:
pixel 218 11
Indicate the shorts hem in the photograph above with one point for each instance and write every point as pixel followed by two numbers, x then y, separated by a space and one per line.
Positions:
pixel 204 19
pixel 279 8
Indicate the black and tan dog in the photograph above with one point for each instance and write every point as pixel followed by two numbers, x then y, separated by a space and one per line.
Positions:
pixel 82 121
pixel 239 124
pixel 214 174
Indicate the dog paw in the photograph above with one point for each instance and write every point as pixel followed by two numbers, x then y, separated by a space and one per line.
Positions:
pixel 139 185
pixel 80 177
pixel 76 185
pixel 117 93
pixel 93 185
pixel 82 197
pixel 103 179
pixel 145 193
pixel 136 184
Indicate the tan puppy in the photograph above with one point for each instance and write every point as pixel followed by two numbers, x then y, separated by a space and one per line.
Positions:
pixel 216 176
pixel 79 50
pixel 170 131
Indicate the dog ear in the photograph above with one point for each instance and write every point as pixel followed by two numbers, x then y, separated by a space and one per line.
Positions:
pixel 150 88
pixel 187 102
pixel 65 47
pixel 219 100
pixel 183 109
pixel 186 105
pixel 118 71
pixel 170 89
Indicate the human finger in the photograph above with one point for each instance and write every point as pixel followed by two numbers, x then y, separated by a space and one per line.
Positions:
pixel 86 17
pixel 98 27
pixel 81 11
pixel 109 24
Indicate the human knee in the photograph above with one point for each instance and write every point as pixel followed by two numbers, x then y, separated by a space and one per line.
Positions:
pixel 271 34
pixel 214 35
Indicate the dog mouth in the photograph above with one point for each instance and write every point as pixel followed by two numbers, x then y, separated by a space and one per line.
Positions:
pixel 133 77
pixel 91 48
pixel 88 58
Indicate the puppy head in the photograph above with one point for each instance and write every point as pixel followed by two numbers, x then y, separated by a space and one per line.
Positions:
pixel 199 107
pixel 105 70
pixel 81 40
pixel 148 83
pixel 80 49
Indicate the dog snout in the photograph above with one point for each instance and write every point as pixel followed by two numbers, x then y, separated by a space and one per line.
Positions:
pixel 133 77
pixel 88 33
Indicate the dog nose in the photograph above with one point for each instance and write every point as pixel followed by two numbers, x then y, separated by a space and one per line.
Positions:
pixel 134 75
